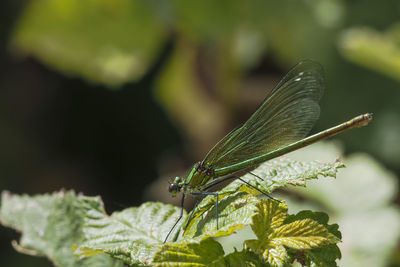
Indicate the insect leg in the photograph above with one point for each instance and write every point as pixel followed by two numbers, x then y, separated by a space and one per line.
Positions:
pixel 252 186
pixel 191 213
pixel 255 175
pixel 180 217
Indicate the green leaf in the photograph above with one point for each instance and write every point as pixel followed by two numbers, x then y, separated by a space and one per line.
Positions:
pixel 133 235
pixel 244 258
pixel 319 217
pixel 317 257
pixel 360 201
pixel 281 172
pixel 234 213
pixel 323 257
pixel 236 205
pixel 303 234
pixel 203 20
pixel 379 51
pixel 207 252
pixel 274 234
pixel 50 225
pixel 107 42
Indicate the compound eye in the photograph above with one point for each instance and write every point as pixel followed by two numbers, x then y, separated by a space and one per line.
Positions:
pixel 172 188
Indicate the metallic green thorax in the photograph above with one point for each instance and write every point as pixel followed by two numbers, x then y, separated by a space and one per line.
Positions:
pixel 198 176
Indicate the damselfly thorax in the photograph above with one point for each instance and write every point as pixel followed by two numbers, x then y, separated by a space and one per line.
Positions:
pixel 200 175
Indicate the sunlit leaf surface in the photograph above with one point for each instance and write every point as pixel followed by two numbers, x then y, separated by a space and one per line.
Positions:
pixel 51 225
pixel 106 42
pixel 135 235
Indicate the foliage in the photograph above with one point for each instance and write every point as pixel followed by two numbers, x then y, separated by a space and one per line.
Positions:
pixel 55 224
pixel 379 51
pixel 50 225
pixel 360 202
pixel 108 42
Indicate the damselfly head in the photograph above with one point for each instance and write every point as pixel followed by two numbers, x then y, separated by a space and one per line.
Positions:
pixel 175 187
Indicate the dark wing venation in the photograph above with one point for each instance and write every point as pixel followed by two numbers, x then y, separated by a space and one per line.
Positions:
pixel 285 116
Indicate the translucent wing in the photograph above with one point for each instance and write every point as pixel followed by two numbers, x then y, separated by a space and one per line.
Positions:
pixel 286 115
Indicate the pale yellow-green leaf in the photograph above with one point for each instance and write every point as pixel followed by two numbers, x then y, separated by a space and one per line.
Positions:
pixel 189 253
pixel 303 234
pixel 269 215
pixel 275 255
pixel 51 226
pixel 379 51
pixel 133 235
pixel 360 201
pixel 283 171
pixel 236 201
pixel 274 235
pixel 234 212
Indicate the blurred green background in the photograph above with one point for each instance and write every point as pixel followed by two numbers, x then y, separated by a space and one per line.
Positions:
pixel 113 98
